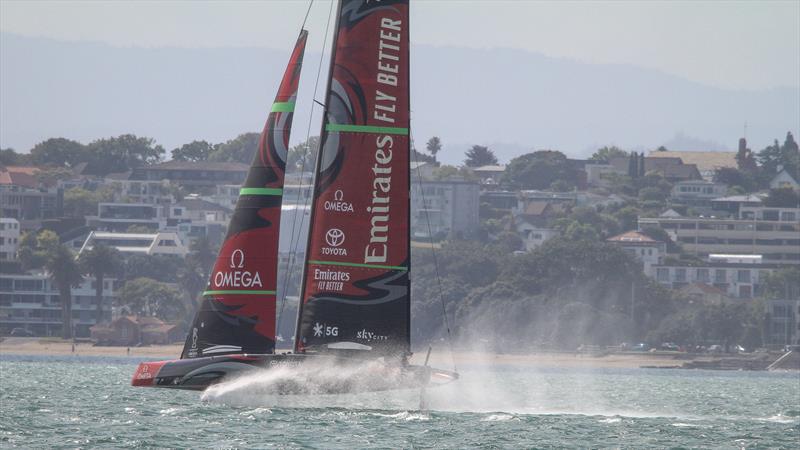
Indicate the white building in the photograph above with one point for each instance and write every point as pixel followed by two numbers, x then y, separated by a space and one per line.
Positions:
pixel 784 180
pixel 31 301
pixel 697 193
pixel 162 243
pixel 121 216
pixel 737 280
pixel 532 236
pixel 9 239
pixel 773 233
pixel 643 247
pixel 439 208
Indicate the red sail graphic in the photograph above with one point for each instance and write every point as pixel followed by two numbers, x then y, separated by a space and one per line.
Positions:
pixel 237 314
pixel 355 287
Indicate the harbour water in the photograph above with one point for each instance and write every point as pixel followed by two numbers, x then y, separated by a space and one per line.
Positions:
pixel 84 402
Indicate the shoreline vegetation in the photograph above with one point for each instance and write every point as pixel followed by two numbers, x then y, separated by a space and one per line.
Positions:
pixel 440 358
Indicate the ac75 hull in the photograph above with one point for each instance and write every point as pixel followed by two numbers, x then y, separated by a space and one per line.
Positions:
pixel 336 374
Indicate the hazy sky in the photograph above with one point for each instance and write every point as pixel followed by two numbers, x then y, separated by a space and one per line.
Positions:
pixel 729 44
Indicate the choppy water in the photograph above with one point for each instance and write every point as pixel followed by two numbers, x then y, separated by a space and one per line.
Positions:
pixel 87 402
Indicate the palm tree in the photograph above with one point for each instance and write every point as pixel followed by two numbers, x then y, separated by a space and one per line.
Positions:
pixel 65 273
pixel 433 146
pixel 100 261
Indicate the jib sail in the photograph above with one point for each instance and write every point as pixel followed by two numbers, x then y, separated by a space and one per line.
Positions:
pixel 237 313
pixel 356 284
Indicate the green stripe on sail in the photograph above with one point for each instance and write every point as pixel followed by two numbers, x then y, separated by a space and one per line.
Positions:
pixel 260 191
pixel 371 266
pixel 242 292
pixel 283 107
pixel 337 127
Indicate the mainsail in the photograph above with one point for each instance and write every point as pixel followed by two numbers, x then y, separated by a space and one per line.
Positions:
pixel 355 285
pixel 237 313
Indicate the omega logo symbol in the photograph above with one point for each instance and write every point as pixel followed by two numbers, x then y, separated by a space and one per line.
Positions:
pixel 240 264
pixel 334 237
pixel 338 195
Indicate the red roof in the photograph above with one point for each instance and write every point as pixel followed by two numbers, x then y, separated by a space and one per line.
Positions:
pixel 19 176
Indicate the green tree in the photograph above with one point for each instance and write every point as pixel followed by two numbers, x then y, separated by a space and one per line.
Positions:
pixel 29 253
pixel 303 155
pixel 49 176
pixel 240 149
pixel 605 154
pixel 203 254
pixel 58 152
pixel 148 297
pixel 783 197
pixel 783 284
pixel 480 155
pixel 735 177
pixel 538 170
pixel 79 202
pixel 122 153
pixel 9 157
pixel 64 272
pixel 776 155
pixel 434 146
pixel 101 261
pixel 193 151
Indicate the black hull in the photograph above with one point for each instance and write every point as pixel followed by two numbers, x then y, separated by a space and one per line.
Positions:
pixel 200 373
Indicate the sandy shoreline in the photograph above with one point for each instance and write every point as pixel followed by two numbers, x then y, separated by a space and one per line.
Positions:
pixel 57 347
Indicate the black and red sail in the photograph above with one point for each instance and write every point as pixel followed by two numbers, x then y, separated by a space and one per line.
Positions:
pixel 356 285
pixel 237 313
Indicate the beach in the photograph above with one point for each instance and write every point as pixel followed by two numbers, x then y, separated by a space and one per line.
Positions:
pixel 440 358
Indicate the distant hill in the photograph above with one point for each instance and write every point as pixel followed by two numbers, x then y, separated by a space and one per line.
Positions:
pixel 512 100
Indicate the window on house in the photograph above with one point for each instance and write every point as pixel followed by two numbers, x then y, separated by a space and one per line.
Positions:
pixel 662 274
pixel 703 275
pixel 680 274
pixel 743 276
pixel 719 276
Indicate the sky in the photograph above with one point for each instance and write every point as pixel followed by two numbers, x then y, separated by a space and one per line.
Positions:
pixel 743 45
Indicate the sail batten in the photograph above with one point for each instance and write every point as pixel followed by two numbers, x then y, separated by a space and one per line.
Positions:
pixel 355 287
pixel 237 310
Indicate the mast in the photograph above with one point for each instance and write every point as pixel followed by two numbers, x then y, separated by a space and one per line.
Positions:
pixel 237 312
pixel 355 285
pixel 317 164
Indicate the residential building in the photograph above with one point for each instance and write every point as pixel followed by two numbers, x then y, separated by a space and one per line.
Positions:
pixel 533 236
pixel 784 180
pixel 501 201
pixel 153 192
pixel 30 206
pixel 161 243
pixel 732 205
pixel 119 217
pixel 783 322
pixel 137 330
pixel 737 280
pixel 671 168
pixel 31 301
pixel 442 207
pixel 422 169
pixel 193 174
pixel 491 174
pixel 706 163
pixel 642 246
pixel 598 173
pixel 697 193
pixel 773 233
pixel 9 238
